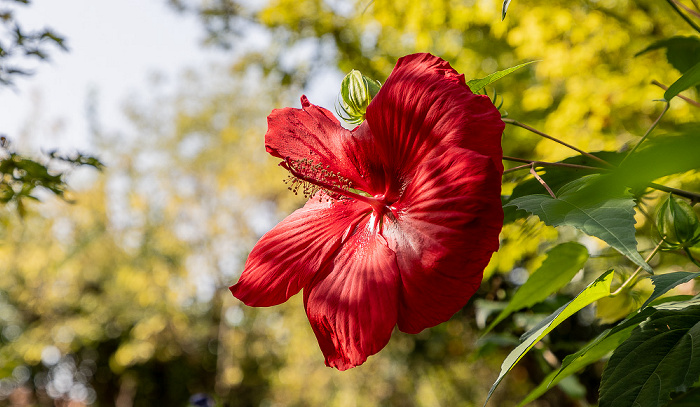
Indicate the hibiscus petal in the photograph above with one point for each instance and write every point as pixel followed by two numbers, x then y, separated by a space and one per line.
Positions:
pixel 424 107
pixel 447 228
pixel 353 309
pixel 313 133
pixel 290 255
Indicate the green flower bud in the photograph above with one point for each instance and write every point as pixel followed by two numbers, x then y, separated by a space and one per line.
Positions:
pixel 356 91
pixel 678 223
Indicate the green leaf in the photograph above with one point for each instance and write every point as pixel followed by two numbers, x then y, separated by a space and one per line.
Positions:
pixel 690 78
pixel 596 290
pixel 681 52
pixel 556 177
pixel 478 84
pixel 661 356
pixel 506 3
pixel 604 214
pixel 594 351
pixel 560 266
pixel 662 156
pixel 664 282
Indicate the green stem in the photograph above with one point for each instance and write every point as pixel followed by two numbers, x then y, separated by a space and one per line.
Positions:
pixel 693 196
pixel 549 164
pixel 631 281
pixel 690 256
pixel 687 20
pixel 556 140
pixel 644 137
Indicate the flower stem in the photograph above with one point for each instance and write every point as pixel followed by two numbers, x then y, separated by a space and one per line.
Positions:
pixel 687 99
pixel 556 140
pixel 636 272
pixel 644 137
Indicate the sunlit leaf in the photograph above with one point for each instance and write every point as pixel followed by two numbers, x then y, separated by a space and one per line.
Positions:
pixel 596 290
pixel 560 266
pixel 661 356
pixel 478 84
pixel 604 214
pixel 597 349
pixel 690 78
pixel 664 282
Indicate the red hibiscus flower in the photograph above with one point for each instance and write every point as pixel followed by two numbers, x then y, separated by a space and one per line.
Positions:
pixel 404 214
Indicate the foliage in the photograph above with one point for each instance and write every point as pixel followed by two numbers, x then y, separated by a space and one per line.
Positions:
pixel 126 290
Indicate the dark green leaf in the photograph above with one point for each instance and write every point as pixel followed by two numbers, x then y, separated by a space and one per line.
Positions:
pixel 661 356
pixel 664 282
pixel 604 214
pixel 681 52
pixel 596 290
pixel 478 84
pixel 560 266
pixel 691 398
pixel 690 78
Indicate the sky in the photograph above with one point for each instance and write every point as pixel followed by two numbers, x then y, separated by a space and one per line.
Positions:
pixel 115 46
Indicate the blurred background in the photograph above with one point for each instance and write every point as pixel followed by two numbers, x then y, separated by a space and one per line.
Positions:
pixel 119 297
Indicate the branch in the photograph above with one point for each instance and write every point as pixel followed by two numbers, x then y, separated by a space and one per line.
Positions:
pixel 544 184
pixel 687 9
pixel 556 140
pixel 644 137
pixel 680 13
pixel 549 164
pixel 687 99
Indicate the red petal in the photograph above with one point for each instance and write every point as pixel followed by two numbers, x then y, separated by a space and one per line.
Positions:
pixel 447 228
pixel 289 256
pixel 313 133
pixel 425 106
pixel 353 309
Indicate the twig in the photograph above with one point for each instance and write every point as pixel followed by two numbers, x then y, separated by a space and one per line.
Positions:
pixel 636 272
pixel 695 3
pixel 519 167
pixel 693 196
pixel 687 99
pixel 556 140
pixel 688 9
pixel 687 20
pixel 644 137
pixel 550 164
pixel 544 184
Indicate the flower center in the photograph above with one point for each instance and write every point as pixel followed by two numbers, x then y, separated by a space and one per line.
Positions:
pixel 311 178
